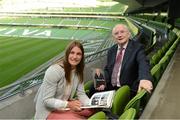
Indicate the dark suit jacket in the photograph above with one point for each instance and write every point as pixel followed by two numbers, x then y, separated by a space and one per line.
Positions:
pixel 135 66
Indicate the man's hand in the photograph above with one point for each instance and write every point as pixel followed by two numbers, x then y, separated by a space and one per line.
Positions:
pixel 74 105
pixel 145 84
pixel 100 88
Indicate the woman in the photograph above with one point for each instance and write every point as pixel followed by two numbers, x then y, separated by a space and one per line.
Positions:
pixel 61 81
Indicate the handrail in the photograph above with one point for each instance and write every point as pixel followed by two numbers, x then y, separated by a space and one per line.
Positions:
pixel 54 25
pixel 62 15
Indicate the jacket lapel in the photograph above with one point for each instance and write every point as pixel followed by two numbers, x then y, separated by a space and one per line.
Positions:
pixel 114 54
pixel 127 54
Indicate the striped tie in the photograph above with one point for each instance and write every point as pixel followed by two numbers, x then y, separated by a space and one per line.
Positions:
pixel 116 68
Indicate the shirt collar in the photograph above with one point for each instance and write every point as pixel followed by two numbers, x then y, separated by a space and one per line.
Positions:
pixel 124 46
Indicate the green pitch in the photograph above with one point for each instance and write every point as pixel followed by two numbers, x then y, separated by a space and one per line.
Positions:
pixel 18 56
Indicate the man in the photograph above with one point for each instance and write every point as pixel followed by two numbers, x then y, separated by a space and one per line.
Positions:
pixel 126 64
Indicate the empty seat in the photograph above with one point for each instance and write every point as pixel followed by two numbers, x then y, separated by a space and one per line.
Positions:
pixel 135 102
pixel 155 59
pixel 87 86
pixel 161 53
pixel 121 98
pixel 164 62
pixel 156 73
pixel 98 116
pixel 175 44
pixel 170 53
pixel 129 114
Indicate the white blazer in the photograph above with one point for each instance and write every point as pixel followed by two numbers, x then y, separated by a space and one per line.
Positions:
pixel 51 94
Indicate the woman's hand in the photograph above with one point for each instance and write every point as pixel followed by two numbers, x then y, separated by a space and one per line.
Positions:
pixel 74 105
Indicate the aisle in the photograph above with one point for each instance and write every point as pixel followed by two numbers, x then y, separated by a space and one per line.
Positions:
pixel 165 101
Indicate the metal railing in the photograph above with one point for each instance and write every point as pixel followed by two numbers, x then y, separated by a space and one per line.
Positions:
pixel 27 83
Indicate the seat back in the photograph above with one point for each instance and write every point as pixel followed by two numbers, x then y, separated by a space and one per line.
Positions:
pixel 98 116
pixel 129 114
pixel 156 72
pixel 164 62
pixel 135 101
pixel 87 86
pixel 155 59
pixel 170 53
pixel 121 98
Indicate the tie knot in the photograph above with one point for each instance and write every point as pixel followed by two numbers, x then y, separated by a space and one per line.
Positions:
pixel 121 48
pixel 119 55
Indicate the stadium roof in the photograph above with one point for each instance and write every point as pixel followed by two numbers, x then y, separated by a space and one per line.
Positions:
pixel 153 6
pixel 144 5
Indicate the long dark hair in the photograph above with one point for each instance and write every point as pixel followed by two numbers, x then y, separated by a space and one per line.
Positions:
pixel 67 65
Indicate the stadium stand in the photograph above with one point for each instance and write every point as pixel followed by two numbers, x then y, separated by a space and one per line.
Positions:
pixel 156 30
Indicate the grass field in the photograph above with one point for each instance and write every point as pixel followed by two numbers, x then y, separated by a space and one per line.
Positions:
pixel 32 46
pixel 21 55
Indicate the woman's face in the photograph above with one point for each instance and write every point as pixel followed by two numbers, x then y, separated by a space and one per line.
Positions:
pixel 75 56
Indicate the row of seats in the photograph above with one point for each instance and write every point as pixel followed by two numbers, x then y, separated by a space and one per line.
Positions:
pixel 128 115
pixel 161 52
pixel 122 106
pixel 161 64
pixel 162 57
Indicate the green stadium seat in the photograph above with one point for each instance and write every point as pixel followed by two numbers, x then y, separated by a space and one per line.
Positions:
pixel 87 86
pixel 170 53
pixel 155 59
pixel 174 45
pixel 164 48
pixel 167 45
pixel 135 102
pixel 98 116
pixel 172 37
pixel 156 73
pixel 161 53
pixel 129 114
pixel 164 62
pixel 121 98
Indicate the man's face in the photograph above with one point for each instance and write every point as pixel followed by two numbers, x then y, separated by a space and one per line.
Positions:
pixel 121 34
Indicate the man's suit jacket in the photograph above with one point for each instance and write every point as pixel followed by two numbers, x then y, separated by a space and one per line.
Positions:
pixel 135 66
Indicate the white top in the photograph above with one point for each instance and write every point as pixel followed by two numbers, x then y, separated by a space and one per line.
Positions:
pixel 54 93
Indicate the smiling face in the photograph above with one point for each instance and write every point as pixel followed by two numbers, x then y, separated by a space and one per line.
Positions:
pixel 75 57
pixel 121 34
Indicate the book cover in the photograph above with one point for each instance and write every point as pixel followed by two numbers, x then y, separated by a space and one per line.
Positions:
pixel 98 78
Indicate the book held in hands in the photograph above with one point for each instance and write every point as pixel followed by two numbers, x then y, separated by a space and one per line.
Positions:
pixel 99 78
pixel 101 100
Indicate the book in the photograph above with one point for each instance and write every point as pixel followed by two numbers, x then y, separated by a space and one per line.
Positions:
pixel 98 78
pixel 101 100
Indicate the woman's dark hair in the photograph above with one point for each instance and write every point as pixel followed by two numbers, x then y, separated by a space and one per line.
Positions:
pixel 67 66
